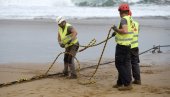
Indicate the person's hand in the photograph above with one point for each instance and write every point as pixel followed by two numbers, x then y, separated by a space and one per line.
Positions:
pixel 69 37
pixel 114 28
pixel 62 45
pixel 113 34
pixel 69 41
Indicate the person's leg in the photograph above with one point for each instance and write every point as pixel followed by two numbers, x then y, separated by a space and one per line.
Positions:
pixel 65 71
pixel 125 72
pixel 125 68
pixel 118 61
pixel 72 69
pixel 135 65
pixel 73 51
pixel 119 81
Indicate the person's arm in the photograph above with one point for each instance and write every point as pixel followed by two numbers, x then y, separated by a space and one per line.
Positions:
pixel 124 27
pixel 73 33
pixel 59 39
pixel 123 30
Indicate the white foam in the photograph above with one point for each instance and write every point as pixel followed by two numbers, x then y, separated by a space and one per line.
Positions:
pixel 30 3
pixel 30 9
pixel 132 1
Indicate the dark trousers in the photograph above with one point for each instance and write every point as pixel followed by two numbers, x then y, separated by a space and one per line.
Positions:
pixel 123 64
pixel 69 58
pixel 135 63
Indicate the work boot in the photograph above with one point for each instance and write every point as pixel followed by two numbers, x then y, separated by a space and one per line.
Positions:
pixel 64 74
pixel 138 82
pixel 73 76
pixel 117 86
pixel 124 88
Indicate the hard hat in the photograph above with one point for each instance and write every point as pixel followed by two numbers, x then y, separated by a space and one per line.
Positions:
pixel 60 19
pixel 130 13
pixel 123 7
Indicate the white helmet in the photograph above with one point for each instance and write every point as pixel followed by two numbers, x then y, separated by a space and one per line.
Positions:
pixel 60 19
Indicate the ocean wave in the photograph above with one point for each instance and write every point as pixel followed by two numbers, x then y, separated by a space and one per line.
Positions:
pixel 87 3
pixel 157 2
pixel 107 3
pixel 50 9
pixel 30 3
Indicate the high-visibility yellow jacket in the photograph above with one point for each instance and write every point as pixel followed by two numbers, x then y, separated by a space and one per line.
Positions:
pixel 125 39
pixel 135 43
pixel 66 38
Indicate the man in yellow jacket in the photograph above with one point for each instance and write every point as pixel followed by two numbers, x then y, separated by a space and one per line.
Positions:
pixel 123 37
pixel 67 38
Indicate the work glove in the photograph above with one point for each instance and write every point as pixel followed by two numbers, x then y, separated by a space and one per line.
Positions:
pixel 114 28
pixel 113 34
pixel 69 41
pixel 61 45
pixel 69 37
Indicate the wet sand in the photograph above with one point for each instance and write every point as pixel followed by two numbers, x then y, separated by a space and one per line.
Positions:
pixel 27 50
pixel 155 82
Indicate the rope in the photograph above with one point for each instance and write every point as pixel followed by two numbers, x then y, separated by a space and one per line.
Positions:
pixel 154 48
pixel 90 80
pixel 46 75
pixel 52 64
pixel 92 43
pixel 165 46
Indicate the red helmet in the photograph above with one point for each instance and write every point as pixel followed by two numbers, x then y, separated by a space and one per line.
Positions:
pixel 123 7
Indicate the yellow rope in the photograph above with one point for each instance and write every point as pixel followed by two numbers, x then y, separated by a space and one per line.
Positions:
pixel 90 80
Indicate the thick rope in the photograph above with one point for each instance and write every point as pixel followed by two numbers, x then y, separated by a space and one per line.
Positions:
pixel 154 48
pixel 46 75
pixel 90 80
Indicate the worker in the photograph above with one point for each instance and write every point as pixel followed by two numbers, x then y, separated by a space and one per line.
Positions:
pixel 123 37
pixel 67 38
pixel 135 54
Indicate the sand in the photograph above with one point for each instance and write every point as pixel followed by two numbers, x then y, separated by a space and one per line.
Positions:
pixel 155 82
pixel 155 68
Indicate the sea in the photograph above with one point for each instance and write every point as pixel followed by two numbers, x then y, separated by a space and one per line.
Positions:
pixel 50 9
pixel 36 42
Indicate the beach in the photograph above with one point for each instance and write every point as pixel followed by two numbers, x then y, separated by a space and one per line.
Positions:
pixel 155 82
pixel 28 48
